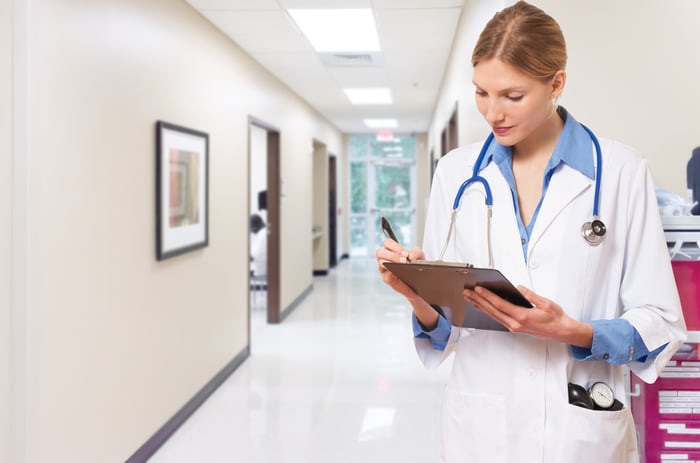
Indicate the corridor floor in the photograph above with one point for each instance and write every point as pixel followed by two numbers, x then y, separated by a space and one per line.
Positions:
pixel 338 381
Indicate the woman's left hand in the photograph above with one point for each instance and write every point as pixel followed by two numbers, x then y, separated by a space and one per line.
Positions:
pixel 546 319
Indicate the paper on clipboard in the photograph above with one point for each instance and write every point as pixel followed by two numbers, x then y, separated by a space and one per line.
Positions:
pixel 442 283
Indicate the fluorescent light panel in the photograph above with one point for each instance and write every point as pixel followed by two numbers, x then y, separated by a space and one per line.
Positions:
pixel 381 123
pixel 338 30
pixel 368 96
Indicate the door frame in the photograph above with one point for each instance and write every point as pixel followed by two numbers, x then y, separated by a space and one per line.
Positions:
pixel 332 211
pixel 273 219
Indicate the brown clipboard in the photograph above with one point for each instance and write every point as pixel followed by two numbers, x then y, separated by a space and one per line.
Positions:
pixel 442 283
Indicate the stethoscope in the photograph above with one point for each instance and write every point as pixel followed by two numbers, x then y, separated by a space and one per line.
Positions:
pixel 592 231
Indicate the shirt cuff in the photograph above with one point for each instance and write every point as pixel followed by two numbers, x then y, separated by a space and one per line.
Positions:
pixel 615 341
pixel 439 335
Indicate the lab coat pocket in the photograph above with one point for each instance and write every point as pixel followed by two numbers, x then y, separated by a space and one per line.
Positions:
pixel 475 427
pixel 598 435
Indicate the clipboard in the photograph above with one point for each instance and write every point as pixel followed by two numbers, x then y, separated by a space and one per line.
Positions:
pixel 442 283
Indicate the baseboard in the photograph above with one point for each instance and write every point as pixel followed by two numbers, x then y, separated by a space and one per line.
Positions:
pixel 288 310
pixel 151 446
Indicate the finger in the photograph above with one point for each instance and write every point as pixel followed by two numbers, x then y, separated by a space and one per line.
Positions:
pixel 480 299
pixel 534 298
pixel 482 303
pixel 492 298
pixel 392 245
pixel 416 253
pixel 388 254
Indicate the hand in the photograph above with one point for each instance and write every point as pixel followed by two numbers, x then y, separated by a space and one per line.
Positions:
pixel 394 252
pixel 546 319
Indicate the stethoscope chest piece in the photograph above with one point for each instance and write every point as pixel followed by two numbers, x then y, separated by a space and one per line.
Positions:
pixel 593 231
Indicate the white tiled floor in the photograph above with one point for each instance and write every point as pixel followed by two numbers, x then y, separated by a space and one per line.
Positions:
pixel 338 381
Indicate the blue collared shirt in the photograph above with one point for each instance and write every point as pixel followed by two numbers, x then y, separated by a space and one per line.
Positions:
pixel 615 341
pixel 573 148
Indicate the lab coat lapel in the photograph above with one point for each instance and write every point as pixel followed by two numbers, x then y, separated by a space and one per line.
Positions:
pixel 565 186
pixel 506 235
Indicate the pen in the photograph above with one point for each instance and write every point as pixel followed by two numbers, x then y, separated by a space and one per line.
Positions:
pixel 386 226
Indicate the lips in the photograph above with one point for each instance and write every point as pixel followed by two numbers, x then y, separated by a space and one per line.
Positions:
pixel 501 130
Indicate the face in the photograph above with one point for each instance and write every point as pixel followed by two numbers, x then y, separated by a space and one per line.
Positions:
pixel 515 105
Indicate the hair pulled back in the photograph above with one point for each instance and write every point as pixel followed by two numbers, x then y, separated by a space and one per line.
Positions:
pixel 525 37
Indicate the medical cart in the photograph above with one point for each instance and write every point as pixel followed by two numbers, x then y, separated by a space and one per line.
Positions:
pixel 667 413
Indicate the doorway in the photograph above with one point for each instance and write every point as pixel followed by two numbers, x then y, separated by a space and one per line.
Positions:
pixel 332 211
pixel 382 182
pixel 264 193
pixel 450 136
pixel 320 226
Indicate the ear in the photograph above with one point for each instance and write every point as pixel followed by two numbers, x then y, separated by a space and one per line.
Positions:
pixel 558 83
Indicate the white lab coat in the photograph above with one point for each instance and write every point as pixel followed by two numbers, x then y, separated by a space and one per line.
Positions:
pixel 506 399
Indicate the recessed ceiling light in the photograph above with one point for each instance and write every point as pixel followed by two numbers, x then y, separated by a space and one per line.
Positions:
pixel 368 96
pixel 338 30
pixel 381 123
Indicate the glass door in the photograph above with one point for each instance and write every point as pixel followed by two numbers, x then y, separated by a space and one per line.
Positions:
pixel 382 184
pixel 393 198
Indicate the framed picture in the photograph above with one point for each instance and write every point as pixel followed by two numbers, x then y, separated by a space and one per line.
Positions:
pixel 182 186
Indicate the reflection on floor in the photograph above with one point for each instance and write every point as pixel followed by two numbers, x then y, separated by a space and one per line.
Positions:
pixel 338 381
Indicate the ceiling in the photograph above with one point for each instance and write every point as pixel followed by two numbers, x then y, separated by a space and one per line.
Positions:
pixel 415 38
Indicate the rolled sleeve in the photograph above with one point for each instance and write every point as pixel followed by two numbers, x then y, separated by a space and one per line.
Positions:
pixel 615 341
pixel 437 336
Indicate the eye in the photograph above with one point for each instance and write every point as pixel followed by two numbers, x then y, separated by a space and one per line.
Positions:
pixel 481 93
pixel 515 97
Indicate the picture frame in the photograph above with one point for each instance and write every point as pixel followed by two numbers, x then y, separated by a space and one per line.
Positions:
pixel 182 190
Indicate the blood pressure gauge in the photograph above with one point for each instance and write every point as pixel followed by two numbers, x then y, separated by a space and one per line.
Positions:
pixel 602 395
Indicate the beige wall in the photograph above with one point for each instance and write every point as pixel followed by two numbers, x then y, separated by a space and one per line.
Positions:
pixel 115 341
pixel 5 223
pixel 423 181
pixel 632 76
pixel 319 208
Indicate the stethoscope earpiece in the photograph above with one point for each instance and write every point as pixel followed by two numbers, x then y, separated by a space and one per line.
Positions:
pixel 593 231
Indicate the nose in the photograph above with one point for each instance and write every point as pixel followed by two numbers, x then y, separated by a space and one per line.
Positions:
pixel 494 111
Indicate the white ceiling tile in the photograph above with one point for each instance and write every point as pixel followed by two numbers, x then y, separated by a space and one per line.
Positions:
pixel 415 66
pixel 234 4
pixel 293 65
pixel 260 31
pixel 291 4
pixel 250 22
pixel 410 4
pixel 359 77
pixel 279 42
pixel 416 37
pixel 427 30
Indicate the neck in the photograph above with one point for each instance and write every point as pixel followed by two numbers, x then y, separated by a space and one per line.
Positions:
pixel 541 143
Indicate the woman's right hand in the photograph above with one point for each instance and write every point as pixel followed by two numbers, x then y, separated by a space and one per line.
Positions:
pixel 394 252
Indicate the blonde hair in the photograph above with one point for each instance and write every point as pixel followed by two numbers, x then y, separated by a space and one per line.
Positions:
pixel 525 37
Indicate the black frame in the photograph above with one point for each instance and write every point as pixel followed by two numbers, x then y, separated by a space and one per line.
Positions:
pixel 162 169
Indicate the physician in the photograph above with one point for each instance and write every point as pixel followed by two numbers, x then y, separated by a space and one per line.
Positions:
pixel 573 222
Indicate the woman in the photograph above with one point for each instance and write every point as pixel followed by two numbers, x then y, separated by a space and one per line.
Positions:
pixel 596 307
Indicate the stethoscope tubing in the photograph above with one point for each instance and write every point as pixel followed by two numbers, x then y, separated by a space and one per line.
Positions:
pixel 476 178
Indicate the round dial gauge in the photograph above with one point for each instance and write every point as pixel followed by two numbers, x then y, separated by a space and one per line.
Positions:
pixel 602 395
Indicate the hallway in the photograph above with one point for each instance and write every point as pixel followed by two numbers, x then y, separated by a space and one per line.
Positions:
pixel 338 381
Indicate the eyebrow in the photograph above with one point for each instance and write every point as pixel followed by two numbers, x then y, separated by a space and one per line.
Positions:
pixel 504 91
